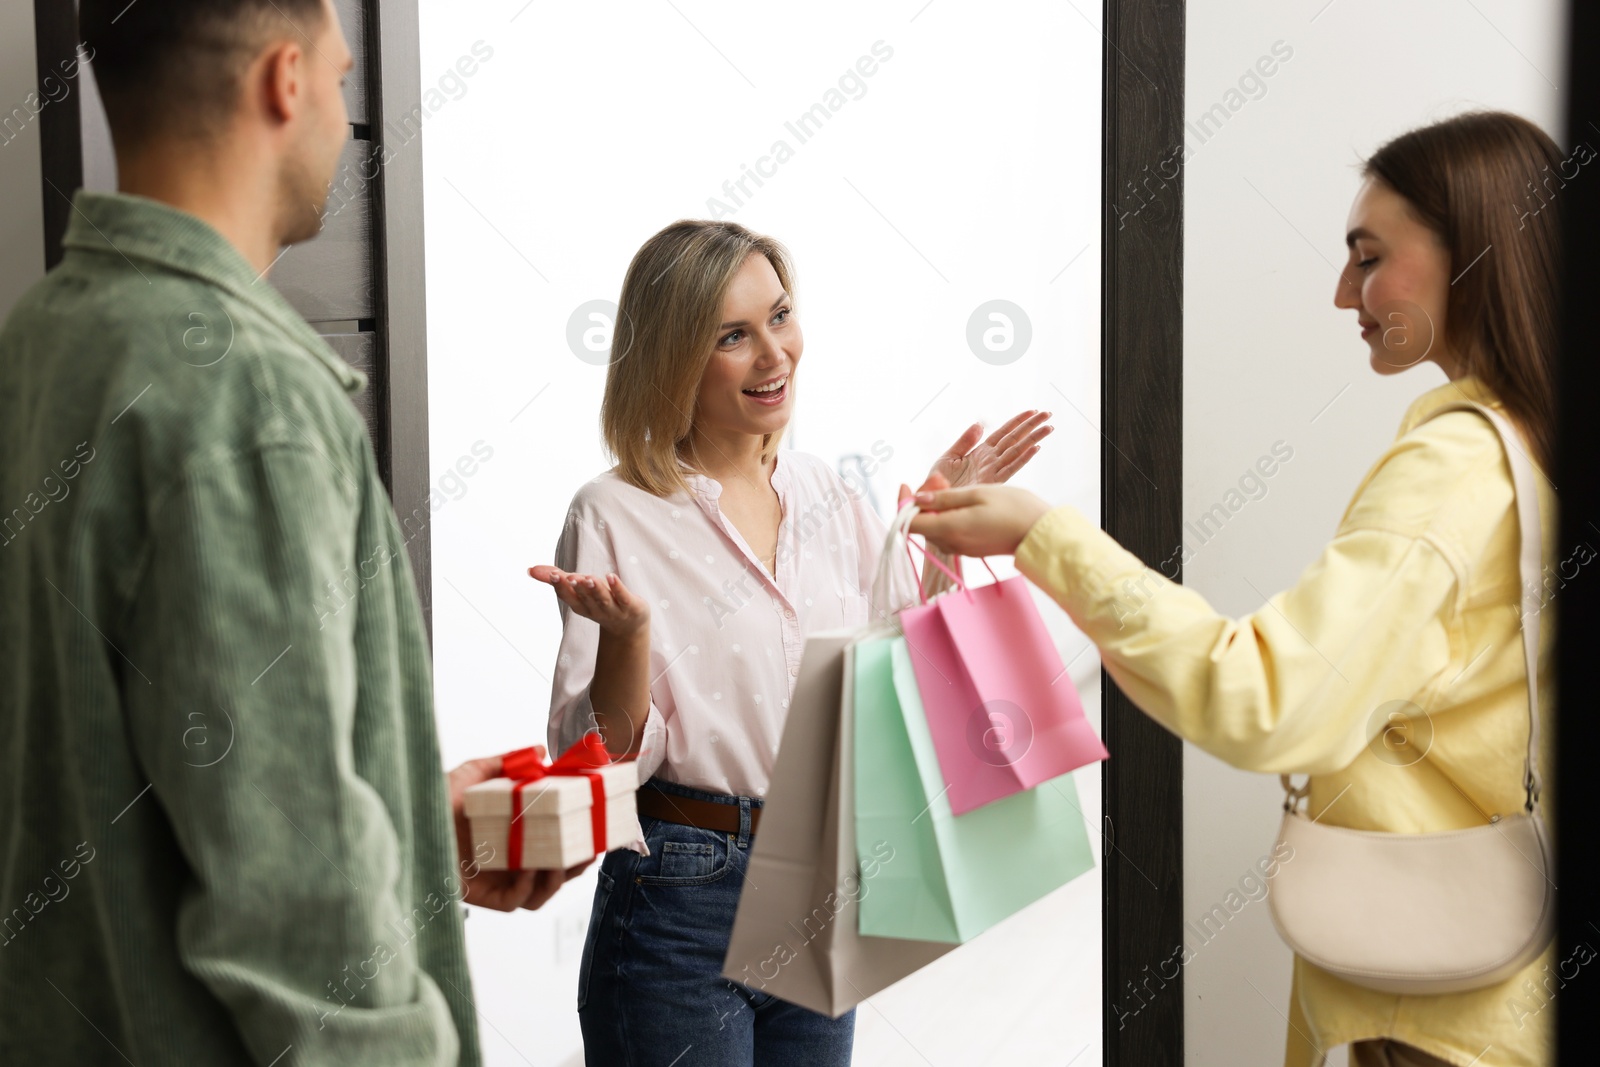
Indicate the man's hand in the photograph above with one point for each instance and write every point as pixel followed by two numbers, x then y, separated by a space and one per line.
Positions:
pixel 500 890
pixel 977 520
pixel 997 458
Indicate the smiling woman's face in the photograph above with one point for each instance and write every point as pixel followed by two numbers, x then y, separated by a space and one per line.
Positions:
pixel 758 343
pixel 1397 279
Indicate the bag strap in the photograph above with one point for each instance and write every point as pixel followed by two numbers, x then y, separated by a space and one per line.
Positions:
pixel 886 598
pixel 895 584
pixel 1529 566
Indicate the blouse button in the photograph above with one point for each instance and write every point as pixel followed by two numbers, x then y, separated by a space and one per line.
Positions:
pixel 788 613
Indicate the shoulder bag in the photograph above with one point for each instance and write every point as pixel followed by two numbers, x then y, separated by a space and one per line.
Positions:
pixel 1434 912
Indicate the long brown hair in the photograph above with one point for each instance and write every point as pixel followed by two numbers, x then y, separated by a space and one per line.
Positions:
pixel 1488 184
pixel 665 334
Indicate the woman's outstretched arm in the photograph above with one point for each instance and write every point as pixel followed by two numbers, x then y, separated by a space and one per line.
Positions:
pixel 602 675
pixel 1293 686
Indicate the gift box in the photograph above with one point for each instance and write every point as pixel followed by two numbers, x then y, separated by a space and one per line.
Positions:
pixel 553 816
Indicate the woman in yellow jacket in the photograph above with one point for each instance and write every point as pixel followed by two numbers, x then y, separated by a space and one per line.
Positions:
pixel 1417 598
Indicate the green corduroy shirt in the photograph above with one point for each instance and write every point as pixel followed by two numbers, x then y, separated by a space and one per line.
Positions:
pixel 224 827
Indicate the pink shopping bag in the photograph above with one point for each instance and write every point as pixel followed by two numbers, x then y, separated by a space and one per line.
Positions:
pixel 1003 713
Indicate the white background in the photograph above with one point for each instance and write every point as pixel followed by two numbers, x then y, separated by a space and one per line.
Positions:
pixel 1266 353
pixel 968 171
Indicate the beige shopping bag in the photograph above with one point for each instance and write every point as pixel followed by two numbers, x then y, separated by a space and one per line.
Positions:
pixel 795 934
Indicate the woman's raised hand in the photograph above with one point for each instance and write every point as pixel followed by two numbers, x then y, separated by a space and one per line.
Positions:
pixel 999 456
pixel 602 598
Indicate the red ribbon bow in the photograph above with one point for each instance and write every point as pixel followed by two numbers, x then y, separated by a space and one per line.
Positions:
pixel 527 766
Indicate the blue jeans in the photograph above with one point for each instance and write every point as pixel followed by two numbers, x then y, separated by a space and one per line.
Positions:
pixel 650 986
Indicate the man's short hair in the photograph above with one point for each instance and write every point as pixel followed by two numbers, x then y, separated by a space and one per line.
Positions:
pixel 176 66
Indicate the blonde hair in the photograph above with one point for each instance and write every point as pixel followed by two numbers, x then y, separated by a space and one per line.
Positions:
pixel 666 332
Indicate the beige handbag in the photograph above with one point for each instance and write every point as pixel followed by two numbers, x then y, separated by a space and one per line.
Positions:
pixel 1436 912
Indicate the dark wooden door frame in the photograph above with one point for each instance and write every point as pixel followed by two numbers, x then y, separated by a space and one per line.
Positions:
pixel 395 69
pixel 55 29
pixel 1141 502
pixel 396 359
pixel 1578 596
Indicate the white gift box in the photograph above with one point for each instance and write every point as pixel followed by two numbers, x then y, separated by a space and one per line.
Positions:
pixel 557 818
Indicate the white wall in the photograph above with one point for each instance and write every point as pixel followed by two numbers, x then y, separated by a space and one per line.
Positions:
pixel 1267 357
pixel 22 221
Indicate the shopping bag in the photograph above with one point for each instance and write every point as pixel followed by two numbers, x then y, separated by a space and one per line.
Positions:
pixel 795 932
pixel 953 876
pixel 1003 712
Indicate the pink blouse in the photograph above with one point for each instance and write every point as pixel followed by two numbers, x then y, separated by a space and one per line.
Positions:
pixel 725 634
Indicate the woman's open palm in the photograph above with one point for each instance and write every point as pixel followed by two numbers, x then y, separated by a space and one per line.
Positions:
pixel 999 456
pixel 602 598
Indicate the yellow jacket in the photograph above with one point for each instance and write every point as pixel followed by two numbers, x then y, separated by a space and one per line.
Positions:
pixel 1413 608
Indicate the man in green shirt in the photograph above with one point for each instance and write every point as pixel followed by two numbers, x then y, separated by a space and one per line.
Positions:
pixel 225 836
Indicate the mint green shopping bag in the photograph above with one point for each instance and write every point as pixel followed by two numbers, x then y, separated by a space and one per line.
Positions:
pixel 951 877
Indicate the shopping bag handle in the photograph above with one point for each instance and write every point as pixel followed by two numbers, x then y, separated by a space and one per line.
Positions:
pixel 929 556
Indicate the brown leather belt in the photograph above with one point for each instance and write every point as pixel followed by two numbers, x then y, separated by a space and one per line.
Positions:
pixel 686 811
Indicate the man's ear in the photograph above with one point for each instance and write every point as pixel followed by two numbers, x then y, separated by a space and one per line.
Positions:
pixel 280 79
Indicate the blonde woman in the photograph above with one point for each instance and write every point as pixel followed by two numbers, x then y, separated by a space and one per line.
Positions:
pixel 688 577
pixel 1417 599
